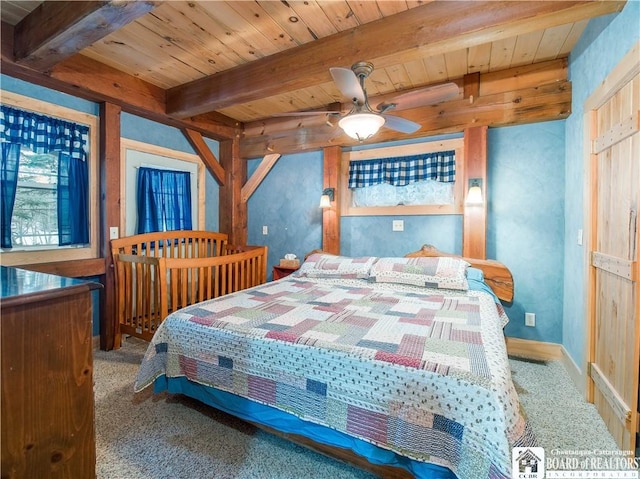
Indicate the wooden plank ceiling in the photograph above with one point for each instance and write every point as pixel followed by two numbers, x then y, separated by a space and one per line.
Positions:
pixel 227 67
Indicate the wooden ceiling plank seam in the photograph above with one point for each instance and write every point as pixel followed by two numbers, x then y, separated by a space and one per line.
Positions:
pixel 551 42
pixel 144 58
pixel 392 7
pixel 478 58
pixel 314 18
pixel 283 15
pixel 55 31
pixel 436 68
pixel 456 63
pixel 339 14
pixel 574 35
pixel 502 54
pixel 208 20
pixel 306 65
pixel 526 47
pixel 237 27
pixel 254 15
pixel 417 73
pixel 365 11
pixel 190 43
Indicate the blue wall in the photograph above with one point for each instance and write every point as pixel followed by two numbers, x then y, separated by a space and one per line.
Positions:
pixel 603 44
pixel 134 128
pixel 525 230
pixel 525 227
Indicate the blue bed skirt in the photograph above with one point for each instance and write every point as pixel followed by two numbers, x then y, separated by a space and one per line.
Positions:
pixel 287 423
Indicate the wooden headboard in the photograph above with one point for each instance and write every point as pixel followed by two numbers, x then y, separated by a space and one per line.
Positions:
pixel 496 274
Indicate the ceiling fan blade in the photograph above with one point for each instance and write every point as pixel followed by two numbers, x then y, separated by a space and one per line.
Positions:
pixel 347 82
pixel 422 97
pixel 306 113
pixel 400 124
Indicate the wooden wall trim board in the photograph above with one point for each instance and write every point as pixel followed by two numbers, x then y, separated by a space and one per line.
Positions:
pixel 331 216
pixel 538 350
pixel 474 229
pixel 578 378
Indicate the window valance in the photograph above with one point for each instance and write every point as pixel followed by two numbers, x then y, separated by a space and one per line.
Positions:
pixel 43 134
pixel 401 171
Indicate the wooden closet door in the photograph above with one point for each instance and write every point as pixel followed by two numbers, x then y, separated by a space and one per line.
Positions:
pixel 612 121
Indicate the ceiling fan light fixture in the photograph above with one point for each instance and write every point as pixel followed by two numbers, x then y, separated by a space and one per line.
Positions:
pixel 361 126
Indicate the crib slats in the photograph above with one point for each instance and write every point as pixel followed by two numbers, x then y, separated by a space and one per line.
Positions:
pixel 157 273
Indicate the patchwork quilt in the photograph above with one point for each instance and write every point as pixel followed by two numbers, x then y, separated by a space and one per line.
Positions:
pixel 419 371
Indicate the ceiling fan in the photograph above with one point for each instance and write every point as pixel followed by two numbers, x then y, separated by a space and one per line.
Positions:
pixel 362 121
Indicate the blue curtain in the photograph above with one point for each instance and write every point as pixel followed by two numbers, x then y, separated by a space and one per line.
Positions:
pixel 73 201
pixel 44 134
pixel 164 200
pixel 401 171
pixel 8 184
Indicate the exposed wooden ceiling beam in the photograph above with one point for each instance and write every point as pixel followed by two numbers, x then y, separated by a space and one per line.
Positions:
pixel 84 77
pixel 527 94
pixel 436 27
pixel 55 31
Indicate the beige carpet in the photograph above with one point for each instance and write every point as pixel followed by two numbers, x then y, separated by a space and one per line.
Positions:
pixel 157 437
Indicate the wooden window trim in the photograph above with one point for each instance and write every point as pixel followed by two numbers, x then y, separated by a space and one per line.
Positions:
pixel 63 253
pixel 127 144
pixel 457 208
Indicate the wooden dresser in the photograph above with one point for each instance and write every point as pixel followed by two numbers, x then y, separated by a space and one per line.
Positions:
pixel 47 376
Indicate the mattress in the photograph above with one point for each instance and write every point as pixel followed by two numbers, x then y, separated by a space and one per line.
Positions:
pixel 417 371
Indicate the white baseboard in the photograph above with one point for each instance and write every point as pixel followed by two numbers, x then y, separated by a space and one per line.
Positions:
pixel 538 350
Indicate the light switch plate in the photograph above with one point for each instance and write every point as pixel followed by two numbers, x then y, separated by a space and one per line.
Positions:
pixel 397 225
pixel 113 232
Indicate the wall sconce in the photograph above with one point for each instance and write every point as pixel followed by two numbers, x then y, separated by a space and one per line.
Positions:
pixel 328 195
pixel 474 195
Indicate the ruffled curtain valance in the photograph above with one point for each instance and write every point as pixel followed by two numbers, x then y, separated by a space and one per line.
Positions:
pixel 43 134
pixel 401 171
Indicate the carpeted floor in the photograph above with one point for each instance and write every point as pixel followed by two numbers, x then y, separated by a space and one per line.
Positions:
pixel 156 437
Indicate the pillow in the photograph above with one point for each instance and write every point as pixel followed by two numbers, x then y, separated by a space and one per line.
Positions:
pixel 442 272
pixel 320 265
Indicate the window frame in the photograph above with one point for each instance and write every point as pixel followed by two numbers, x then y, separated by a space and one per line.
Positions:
pixel 129 169
pixel 54 254
pixel 456 208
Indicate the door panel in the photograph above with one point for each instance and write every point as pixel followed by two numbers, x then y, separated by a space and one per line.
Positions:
pixel 614 351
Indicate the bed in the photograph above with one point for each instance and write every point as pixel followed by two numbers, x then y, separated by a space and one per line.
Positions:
pixel 398 365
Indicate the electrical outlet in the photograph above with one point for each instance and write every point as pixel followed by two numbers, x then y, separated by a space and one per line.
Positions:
pixel 397 225
pixel 113 232
pixel 265 230
pixel 530 319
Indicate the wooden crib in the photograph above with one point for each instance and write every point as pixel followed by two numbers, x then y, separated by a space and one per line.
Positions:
pixel 158 273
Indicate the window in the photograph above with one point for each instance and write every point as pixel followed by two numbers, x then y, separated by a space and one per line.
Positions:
pixel 419 196
pixel 49 182
pixel 164 200
pixel 136 156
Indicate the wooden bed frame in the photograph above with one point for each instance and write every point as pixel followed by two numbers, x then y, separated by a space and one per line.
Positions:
pixel 157 273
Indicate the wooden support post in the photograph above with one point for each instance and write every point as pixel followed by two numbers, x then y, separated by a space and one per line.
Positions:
pixel 233 211
pixel 331 216
pixel 474 239
pixel 110 207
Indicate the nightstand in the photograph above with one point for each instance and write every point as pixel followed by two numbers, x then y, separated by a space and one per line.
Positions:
pixel 280 272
